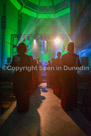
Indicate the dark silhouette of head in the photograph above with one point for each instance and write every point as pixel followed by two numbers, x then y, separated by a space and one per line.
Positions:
pixel 59 54
pixel 38 59
pixel 35 61
pixel 22 48
pixel 70 47
pixel 52 59
pixel 49 62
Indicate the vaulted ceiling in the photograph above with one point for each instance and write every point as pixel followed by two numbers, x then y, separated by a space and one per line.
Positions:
pixel 47 8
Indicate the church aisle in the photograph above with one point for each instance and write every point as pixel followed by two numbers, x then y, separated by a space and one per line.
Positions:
pixel 45 118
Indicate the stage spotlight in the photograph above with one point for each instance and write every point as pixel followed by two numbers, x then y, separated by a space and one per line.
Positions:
pixel 35 41
pixel 45 46
pixel 35 45
pixel 57 40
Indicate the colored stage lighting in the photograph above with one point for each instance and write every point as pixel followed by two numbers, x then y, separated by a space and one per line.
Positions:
pixel 35 40
pixel 35 45
pixel 57 40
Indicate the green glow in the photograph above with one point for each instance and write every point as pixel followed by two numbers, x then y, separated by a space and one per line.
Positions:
pixel 63 12
pixel 45 15
pixel 35 1
pixel 57 1
pixel 44 57
pixel 29 12
pixel 45 26
pixel 58 14
pixel 16 4
pixel 34 14
pixel 11 28
pixel 46 3
pixel 64 52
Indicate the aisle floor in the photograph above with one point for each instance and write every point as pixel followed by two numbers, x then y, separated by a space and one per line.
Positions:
pixel 45 118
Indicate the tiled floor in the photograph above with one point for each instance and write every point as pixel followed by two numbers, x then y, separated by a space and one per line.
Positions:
pixel 46 118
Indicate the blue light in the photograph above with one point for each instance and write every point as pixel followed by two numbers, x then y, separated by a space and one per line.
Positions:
pixel 42 47
pixel 85 51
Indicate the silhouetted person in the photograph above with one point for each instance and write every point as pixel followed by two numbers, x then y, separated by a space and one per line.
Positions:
pixel 52 71
pixel 22 78
pixel 69 96
pixel 57 85
pixel 35 74
pixel 48 73
pixel 38 61
pixel 39 64
pixel 58 59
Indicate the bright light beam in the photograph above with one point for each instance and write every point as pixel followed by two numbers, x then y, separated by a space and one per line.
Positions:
pixel 45 46
pixel 57 40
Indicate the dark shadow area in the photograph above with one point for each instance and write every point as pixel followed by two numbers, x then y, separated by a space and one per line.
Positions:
pixel 84 95
pixel 43 97
pixel 79 119
pixel 28 123
pixel 44 90
pixel 6 91
pixel 84 104
pixel 6 76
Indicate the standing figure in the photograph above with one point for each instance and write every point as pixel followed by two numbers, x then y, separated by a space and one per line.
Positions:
pixel 52 71
pixel 57 85
pixel 58 59
pixel 35 74
pixel 39 64
pixel 48 77
pixel 22 78
pixel 70 91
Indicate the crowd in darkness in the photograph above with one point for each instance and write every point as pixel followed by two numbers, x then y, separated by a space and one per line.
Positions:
pixel 64 82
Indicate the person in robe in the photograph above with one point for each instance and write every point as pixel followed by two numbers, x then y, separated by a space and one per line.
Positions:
pixel 23 78
pixel 58 59
pixel 57 85
pixel 48 76
pixel 39 64
pixel 70 90
pixel 52 72
pixel 35 74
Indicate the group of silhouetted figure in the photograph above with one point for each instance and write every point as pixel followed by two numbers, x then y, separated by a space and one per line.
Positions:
pixel 63 81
